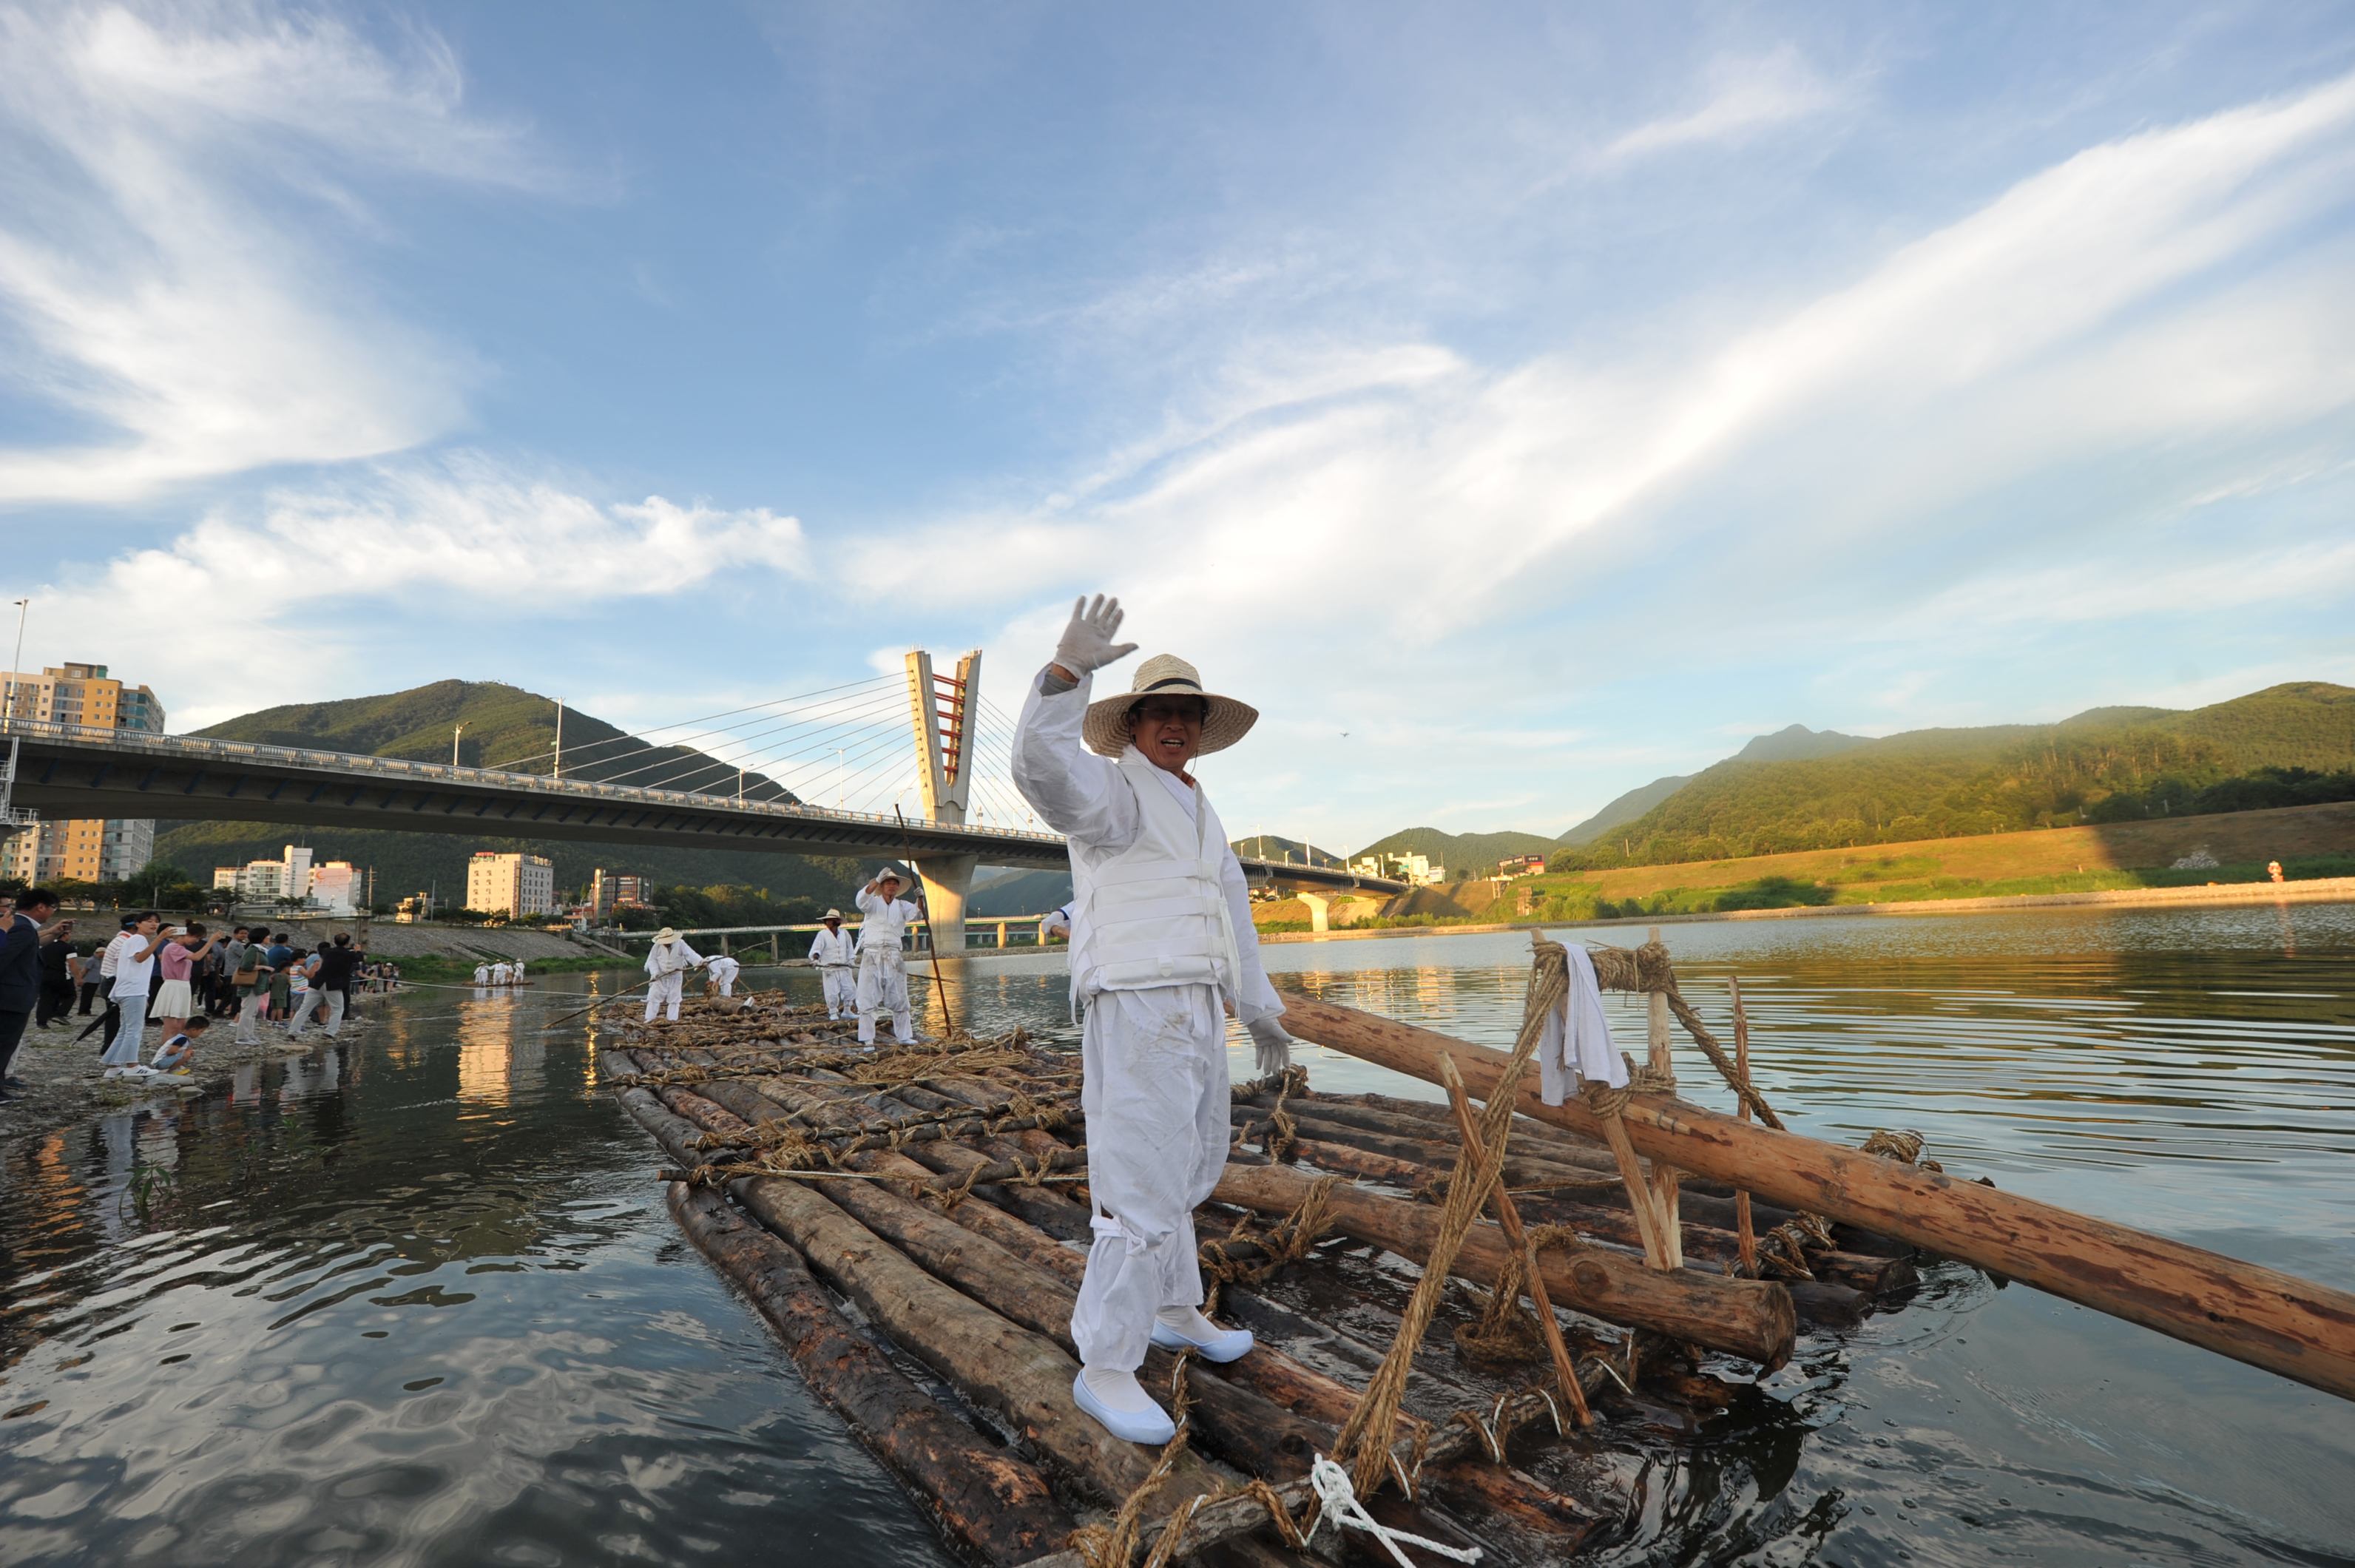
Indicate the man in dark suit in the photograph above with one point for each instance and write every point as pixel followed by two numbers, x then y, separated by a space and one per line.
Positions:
pixel 20 975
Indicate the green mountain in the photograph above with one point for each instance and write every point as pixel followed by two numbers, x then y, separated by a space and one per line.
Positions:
pixel 1626 808
pixel 2105 765
pixel 492 725
pixel 1463 854
pixel 505 727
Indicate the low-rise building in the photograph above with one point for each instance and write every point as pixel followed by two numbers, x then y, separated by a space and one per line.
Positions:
pixel 414 908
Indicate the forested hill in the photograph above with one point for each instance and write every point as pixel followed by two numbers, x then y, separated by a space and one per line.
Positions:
pixel 505 727
pixel 2105 765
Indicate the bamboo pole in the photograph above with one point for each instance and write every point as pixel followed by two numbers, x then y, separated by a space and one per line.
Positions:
pixel 1565 1371
pixel 2299 1329
pixel 1748 1237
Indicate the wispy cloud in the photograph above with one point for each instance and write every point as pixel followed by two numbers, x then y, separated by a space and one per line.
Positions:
pixel 162 258
pixel 1743 97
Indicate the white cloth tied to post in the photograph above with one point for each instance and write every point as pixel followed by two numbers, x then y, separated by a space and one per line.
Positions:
pixel 1576 1044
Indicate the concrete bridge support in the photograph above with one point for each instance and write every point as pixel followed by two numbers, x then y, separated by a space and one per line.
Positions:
pixel 947 879
pixel 1320 909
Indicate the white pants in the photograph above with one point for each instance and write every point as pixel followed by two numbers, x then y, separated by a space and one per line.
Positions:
pixel 125 1051
pixel 841 991
pixel 1155 1091
pixel 249 1016
pixel 664 991
pixel 310 1004
pixel 727 985
pixel 883 983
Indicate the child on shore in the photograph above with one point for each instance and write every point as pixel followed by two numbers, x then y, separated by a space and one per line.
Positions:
pixel 175 1059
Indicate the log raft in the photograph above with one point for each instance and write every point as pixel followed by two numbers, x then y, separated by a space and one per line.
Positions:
pixel 906 1195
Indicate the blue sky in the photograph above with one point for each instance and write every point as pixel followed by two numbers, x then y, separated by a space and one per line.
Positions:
pixel 1514 402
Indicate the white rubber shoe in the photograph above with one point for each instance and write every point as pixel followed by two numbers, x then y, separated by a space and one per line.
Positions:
pixel 1195 1332
pixel 1123 1409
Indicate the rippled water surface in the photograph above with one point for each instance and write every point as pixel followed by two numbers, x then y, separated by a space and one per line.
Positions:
pixel 415 1300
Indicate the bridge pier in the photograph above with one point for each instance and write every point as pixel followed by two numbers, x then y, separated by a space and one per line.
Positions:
pixel 947 879
pixel 1319 908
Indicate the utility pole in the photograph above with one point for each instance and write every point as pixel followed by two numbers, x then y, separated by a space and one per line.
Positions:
pixel 558 770
pixel 17 664
pixel 453 744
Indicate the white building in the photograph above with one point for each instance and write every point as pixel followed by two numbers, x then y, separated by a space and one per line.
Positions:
pixel 339 887
pixel 510 884
pixel 265 881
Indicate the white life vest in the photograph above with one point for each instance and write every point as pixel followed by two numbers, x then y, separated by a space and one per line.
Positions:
pixel 1155 913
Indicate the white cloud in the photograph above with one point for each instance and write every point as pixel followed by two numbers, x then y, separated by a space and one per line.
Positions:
pixel 1745 96
pixel 160 258
pixel 1391 545
pixel 310 583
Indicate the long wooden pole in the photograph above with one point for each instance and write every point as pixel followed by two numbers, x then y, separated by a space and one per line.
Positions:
pixel 1565 1371
pixel 1664 1175
pixel 931 931
pixel 1748 1237
pixel 2304 1331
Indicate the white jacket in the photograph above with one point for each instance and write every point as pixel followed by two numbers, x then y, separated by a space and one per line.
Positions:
pixel 886 920
pixel 1107 808
pixel 1153 913
pixel 662 961
pixel 832 949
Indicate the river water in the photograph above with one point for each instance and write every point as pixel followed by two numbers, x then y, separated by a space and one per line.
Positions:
pixel 415 1300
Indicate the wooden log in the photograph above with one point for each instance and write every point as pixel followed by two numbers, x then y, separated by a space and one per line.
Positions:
pixel 2302 1330
pixel 1748 1318
pixel 981 1497
pixel 1254 1432
pixel 1022 1376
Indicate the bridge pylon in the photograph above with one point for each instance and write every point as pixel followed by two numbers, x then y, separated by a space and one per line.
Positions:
pixel 942 709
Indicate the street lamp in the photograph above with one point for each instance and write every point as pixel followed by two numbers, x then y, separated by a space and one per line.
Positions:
pixel 453 744
pixel 17 662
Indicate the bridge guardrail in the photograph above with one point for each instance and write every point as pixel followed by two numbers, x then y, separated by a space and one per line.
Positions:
pixel 149 743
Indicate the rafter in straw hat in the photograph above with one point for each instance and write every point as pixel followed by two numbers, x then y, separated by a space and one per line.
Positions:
pixel 1166 675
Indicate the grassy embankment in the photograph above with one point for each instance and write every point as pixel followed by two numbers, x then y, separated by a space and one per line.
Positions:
pixel 2309 841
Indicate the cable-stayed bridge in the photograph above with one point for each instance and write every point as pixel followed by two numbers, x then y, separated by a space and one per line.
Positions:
pixel 915 767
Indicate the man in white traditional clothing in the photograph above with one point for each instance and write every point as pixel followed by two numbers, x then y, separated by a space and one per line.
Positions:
pixel 501 974
pixel 723 971
pixel 832 953
pixel 1162 948
pixel 482 974
pixel 882 972
pixel 518 972
pixel 667 961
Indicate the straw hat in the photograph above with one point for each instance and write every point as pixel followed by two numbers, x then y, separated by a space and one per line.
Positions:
pixel 665 937
pixel 1227 721
pixel 888 875
pixel 830 914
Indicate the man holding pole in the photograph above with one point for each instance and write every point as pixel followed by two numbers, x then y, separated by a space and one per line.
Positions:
pixel 667 961
pixel 882 972
pixel 1162 948
pixel 830 950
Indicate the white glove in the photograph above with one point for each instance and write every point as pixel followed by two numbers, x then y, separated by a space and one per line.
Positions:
pixel 1087 642
pixel 1275 1045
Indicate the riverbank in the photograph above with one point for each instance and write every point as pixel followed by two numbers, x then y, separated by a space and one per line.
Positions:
pixel 2319 890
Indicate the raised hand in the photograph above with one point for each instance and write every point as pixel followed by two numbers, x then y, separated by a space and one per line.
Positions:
pixel 1087 642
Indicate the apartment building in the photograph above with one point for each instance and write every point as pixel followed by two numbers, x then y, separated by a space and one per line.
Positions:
pixel 82 850
pixel 510 884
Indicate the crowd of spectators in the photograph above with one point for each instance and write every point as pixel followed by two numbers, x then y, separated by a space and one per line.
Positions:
pixel 171 977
